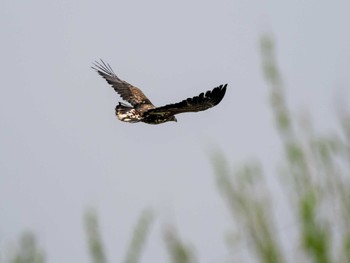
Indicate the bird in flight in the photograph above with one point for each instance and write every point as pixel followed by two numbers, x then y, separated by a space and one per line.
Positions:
pixel 142 109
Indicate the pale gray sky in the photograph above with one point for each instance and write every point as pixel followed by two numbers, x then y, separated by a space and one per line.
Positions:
pixel 62 149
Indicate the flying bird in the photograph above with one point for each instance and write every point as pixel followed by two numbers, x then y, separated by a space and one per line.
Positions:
pixel 142 109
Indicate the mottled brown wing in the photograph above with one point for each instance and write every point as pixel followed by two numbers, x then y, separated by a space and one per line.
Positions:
pixel 201 102
pixel 127 91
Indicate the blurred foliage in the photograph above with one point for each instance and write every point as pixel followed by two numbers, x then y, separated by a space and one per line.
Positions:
pixel 316 182
pixel 138 240
pixel 137 243
pixel 27 251
pixel 177 250
pixel 249 207
pixel 94 238
pixel 318 167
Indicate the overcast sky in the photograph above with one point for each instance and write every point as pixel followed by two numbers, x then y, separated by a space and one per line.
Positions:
pixel 62 150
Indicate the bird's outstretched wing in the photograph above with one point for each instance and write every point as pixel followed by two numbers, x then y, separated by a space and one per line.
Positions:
pixel 127 91
pixel 201 102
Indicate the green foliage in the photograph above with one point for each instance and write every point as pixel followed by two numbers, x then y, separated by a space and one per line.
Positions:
pixel 177 250
pixel 137 243
pixel 94 238
pixel 314 165
pixel 28 251
pixel 138 240
pixel 249 207
pixel 317 169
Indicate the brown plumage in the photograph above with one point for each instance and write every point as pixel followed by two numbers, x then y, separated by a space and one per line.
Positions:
pixel 142 108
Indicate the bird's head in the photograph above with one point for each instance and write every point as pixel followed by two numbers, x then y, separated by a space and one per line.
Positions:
pixel 173 119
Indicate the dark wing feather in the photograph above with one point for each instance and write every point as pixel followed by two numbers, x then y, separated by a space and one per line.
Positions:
pixel 201 102
pixel 128 92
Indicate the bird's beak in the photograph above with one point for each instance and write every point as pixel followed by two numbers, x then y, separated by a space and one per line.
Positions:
pixel 175 119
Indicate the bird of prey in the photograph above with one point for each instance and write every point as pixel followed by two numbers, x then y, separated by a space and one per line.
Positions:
pixel 142 109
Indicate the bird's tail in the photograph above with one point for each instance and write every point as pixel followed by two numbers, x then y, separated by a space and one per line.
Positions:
pixel 127 113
